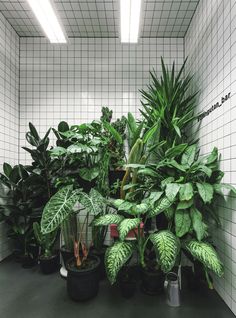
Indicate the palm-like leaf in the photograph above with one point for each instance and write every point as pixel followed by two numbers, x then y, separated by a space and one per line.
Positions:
pixel 207 255
pixel 116 256
pixel 58 208
pixel 126 226
pixel 167 247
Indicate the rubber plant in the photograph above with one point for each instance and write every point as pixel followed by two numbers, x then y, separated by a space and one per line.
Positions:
pixel 187 187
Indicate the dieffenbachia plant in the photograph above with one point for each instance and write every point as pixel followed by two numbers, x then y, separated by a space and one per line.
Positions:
pixel 166 244
pixel 189 187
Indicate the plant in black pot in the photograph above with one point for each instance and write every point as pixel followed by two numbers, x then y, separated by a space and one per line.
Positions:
pixel 83 269
pixel 67 232
pixel 49 259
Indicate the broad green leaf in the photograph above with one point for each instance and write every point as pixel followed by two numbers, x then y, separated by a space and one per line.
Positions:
pixel 115 258
pixel 115 134
pixel 221 186
pixel 172 190
pixel 183 205
pixel 169 213
pixel 148 172
pixel 175 164
pixel 93 202
pixel 186 192
pixel 205 169
pixel 182 222
pixel 63 126
pixel 108 219
pixel 58 208
pixel 198 225
pixel 126 226
pixel 212 157
pixel 125 206
pixel 7 169
pixel 175 151
pixel 163 204
pixel 166 181
pixel 57 151
pixel 140 208
pixel 150 133
pixel 188 156
pixel 205 191
pixel 207 255
pixel 167 247
pixel 118 202
pixel 89 174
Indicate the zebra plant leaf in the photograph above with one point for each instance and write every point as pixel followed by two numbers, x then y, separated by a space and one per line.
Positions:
pixel 205 191
pixel 126 226
pixel 182 222
pixel 92 202
pixel 163 204
pixel 116 256
pixel 167 247
pixel 207 255
pixel 108 219
pixel 58 208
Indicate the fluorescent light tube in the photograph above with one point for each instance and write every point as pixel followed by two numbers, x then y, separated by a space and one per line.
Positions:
pixel 130 11
pixel 47 18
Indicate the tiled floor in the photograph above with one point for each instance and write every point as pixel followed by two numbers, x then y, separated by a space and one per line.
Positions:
pixel 27 293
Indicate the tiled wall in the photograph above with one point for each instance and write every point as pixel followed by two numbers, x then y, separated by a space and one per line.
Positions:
pixel 9 106
pixel 72 82
pixel 210 44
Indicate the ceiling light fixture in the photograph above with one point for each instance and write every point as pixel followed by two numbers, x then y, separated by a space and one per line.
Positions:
pixel 130 11
pixel 46 16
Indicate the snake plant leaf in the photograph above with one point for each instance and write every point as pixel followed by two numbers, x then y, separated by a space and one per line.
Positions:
pixel 116 256
pixel 93 202
pixel 186 192
pixel 167 247
pixel 163 204
pixel 205 191
pixel 126 226
pixel 188 156
pixel 108 219
pixel 182 222
pixel 58 208
pixel 172 190
pixel 198 225
pixel 207 255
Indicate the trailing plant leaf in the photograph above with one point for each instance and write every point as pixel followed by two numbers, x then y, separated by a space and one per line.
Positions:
pixel 207 255
pixel 163 204
pixel 186 192
pixel 108 219
pixel 182 222
pixel 167 247
pixel 116 256
pixel 126 226
pixel 188 156
pixel 198 225
pixel 58 208
pixel 172 190
pixel 206 191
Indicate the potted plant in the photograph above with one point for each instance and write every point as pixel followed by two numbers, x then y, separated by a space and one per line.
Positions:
pixel 48 259
pixel 83 268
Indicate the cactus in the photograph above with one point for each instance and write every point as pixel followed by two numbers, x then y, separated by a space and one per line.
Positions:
pixel 45 241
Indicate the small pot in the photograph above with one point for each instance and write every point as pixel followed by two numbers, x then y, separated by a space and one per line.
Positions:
pixel 101 255
pixel 83 284
pixel 152 282
pixel 66 255
pixel 49 265
pixel 113 176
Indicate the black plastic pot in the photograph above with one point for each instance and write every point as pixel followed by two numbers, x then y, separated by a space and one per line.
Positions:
pixel 49 265
pixel 66 255
pixel 83 284
pixel 152 282
pixel 101 255
pixel 113 176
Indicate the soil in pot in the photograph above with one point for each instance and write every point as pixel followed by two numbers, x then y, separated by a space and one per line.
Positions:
pixel 83 282
pixel 49 265
pixel 101 255
pixel 66 255
pixel 152 282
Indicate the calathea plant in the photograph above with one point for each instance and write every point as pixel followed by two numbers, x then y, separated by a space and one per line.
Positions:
pixel 189 188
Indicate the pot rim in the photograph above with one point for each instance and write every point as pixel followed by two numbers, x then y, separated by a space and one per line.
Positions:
pixel 75 270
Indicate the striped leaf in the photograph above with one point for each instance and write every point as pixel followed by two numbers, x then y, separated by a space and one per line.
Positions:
pixel 126 226
pixel 116 256
pixel 207 255
pixel 92 202
pixel 163 204
pixel 58 208
pixel 167 247
pixel 108 219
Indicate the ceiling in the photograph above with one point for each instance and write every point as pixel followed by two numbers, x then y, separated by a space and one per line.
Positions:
pixel 100 18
